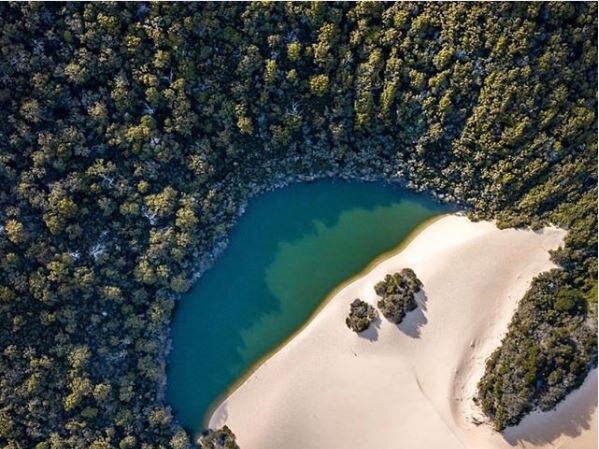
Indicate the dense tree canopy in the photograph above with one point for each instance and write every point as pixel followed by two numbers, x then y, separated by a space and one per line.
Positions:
pixel 361 315
pixel 397 294
pixel 133 134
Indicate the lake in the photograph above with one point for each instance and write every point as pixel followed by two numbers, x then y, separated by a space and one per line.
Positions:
pixel 286 253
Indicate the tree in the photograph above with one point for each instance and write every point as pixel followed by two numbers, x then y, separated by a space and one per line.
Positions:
pixel 361 315
pixel 319 84
pixel 15 231
pixel 397 292
pixel 218 439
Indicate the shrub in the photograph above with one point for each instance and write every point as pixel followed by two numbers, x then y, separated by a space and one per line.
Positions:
pixel 361 314
pixel 397 292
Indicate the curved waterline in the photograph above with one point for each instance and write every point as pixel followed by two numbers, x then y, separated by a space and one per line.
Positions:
pixel 376 261
pixel 287 253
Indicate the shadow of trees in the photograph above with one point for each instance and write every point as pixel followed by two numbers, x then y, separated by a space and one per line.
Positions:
pixel 570 418
pixel 415 319
pixel 372 333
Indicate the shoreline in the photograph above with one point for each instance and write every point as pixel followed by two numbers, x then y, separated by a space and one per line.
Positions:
pixel 327 298
pixel 281 180
pixel 403 383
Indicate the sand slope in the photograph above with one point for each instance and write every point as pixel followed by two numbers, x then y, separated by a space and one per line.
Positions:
pixel 409 386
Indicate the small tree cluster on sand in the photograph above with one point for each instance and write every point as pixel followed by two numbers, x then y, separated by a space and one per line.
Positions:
pixel 397 292
pixel 361 314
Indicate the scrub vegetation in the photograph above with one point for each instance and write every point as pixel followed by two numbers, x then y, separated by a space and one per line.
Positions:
pixel 218 439
pixel 133 134
pixel 361 314
pixel 398 294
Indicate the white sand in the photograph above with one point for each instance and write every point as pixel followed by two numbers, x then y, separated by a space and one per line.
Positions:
pixel 410 386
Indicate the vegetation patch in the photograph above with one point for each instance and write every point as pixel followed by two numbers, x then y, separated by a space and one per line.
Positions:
pixel 519 376
pixel 218 439
pixel 361 315
pixel 398 294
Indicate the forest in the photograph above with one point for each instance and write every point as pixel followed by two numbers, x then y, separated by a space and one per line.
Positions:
pixel 133 135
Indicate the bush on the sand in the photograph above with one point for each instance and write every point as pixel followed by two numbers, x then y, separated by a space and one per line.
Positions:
pixel 397 292
pixel 361 314
pixel 538 364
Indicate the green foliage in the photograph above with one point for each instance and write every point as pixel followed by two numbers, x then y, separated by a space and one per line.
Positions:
pixel 218 439
pixel 544 355
pixel 319 85
pixel 134 133
pixel 397 292
pixel 361 315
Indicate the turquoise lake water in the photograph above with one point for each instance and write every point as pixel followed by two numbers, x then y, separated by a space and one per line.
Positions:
pixel 286 253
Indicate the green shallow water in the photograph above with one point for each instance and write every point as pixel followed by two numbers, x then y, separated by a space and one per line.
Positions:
pixel 286 253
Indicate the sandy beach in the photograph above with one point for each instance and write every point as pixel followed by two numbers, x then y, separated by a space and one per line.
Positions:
pixel 410 386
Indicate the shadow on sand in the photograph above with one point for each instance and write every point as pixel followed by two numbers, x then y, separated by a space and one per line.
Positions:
pixel 415 319
pixel 372 333
pixel 571 416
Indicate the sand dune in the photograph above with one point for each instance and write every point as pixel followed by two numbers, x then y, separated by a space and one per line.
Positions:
pixel 410 386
